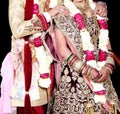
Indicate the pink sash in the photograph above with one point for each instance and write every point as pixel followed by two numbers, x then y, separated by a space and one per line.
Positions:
pixel 7 71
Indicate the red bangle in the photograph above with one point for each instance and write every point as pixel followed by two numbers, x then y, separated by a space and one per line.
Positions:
pixel 110 66
pixel 43 21
pixel 73 60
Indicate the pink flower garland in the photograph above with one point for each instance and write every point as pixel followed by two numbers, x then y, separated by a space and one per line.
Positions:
pixel 35 9
pixel 80 21
pixel 102 55
pixel 37 41
pixel 101 92
pixel 89 55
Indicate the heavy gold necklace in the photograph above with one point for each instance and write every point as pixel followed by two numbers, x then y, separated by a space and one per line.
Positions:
pixel 86 8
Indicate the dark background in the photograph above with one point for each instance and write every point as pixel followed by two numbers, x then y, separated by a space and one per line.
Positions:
pixel 114 31
pixel 114 34
pixel 5 33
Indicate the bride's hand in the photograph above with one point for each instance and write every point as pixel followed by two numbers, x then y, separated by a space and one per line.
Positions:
pixel 104 75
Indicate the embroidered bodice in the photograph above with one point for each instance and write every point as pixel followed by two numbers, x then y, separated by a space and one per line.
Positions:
pixel 72 33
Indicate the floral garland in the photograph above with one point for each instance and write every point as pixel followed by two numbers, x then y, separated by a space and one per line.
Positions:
pixel 43 57
pixel 88 47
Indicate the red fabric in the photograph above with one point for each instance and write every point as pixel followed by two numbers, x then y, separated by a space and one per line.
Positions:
pixel 27 108
pixel 36 110
pixel 43 22
pixel 50 44
pixel 27 60
pixel 27 66
pixel 52 72
pixel 103 24
pixel 40 109
pixel 29 9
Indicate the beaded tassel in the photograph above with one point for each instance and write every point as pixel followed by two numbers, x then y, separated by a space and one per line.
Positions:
pixel 112 109
pixel 90 107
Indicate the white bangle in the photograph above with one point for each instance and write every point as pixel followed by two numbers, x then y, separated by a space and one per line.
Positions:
pixel 47 16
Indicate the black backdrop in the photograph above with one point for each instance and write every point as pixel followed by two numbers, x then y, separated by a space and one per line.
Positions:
pixel 114 31
pixel 114 24
pixel 5 33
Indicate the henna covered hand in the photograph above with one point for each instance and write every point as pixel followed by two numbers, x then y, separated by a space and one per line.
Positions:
pixel 92 74
pixel 104 73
